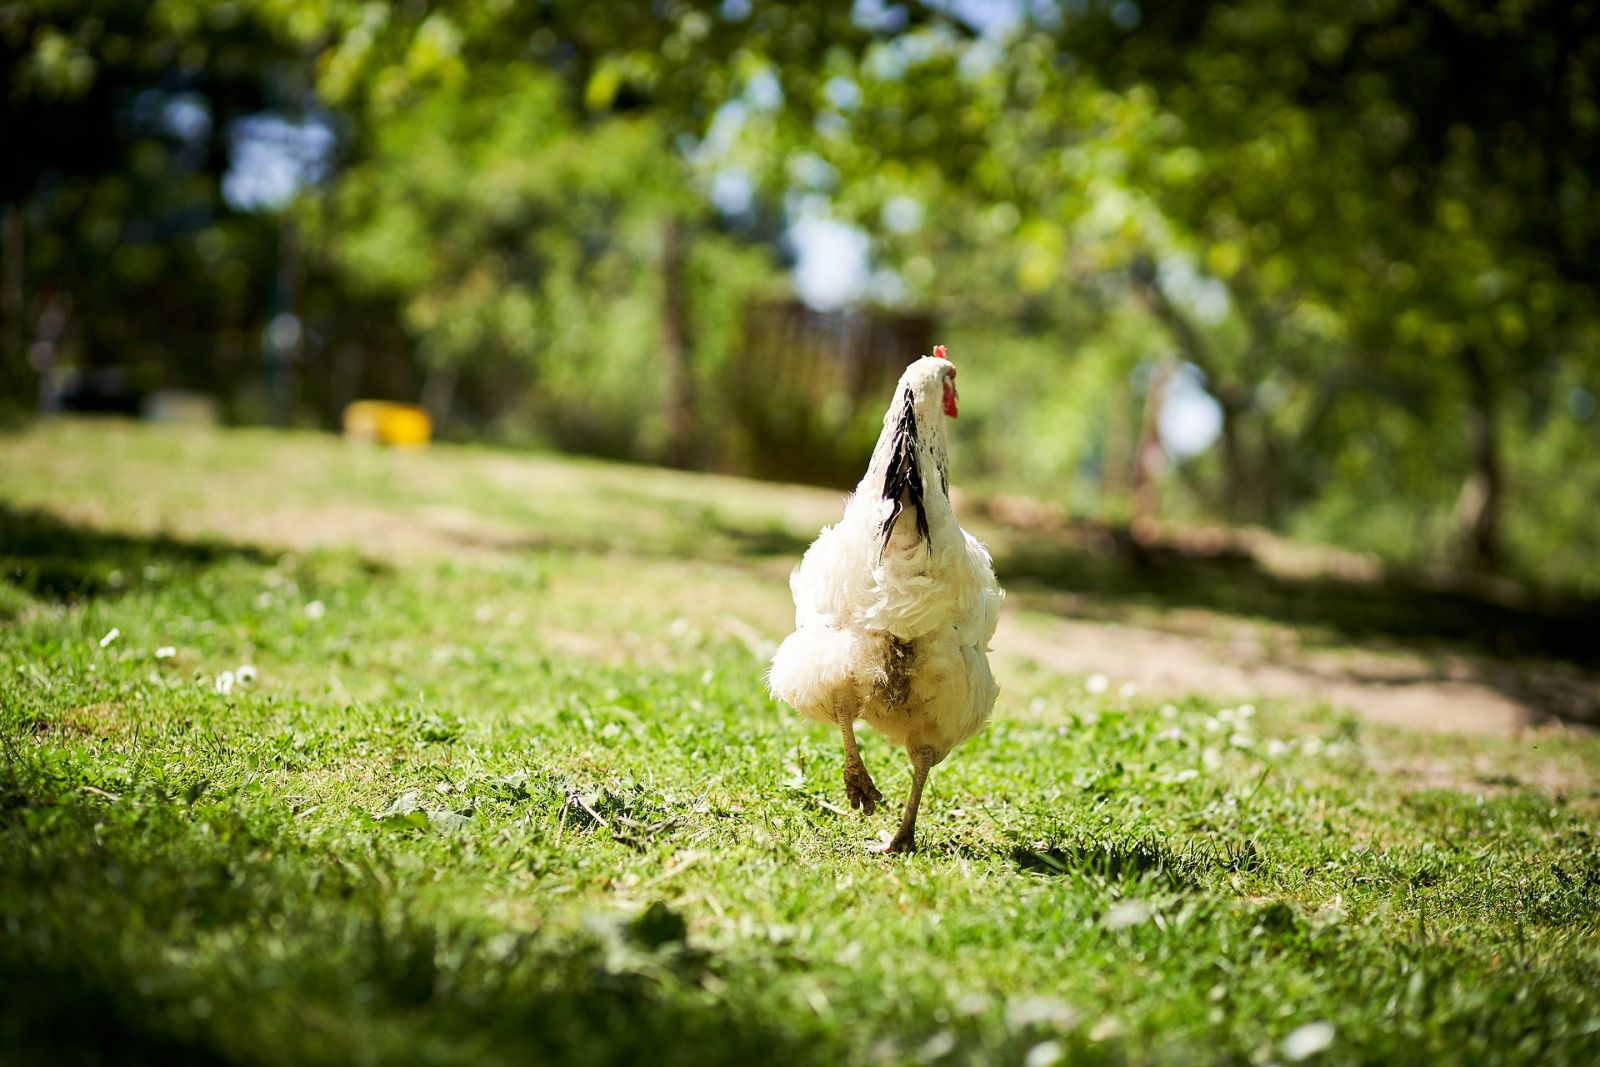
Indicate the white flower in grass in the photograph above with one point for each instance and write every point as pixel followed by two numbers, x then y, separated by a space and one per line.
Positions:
pixel 224 684
pixel 1127 912
pixel 1128 690
pixel 166 652
pixel 246 674
pixel 316 609
pixel 967 1004
pixel 1023 1012
pixel 1307 1041
pixel 1246 710
pixel 938 1046
pixel 111 635
pixel 1106 1029
pixel 1044 1054
pixel 1169 711
pixel 1096 684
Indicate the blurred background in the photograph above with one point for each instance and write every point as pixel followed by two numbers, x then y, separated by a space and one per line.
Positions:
pixel 1325 269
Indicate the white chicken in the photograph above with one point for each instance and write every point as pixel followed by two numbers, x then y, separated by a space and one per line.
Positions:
pixel 895 606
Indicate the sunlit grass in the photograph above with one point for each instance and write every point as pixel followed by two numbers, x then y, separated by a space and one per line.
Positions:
pixel 528 801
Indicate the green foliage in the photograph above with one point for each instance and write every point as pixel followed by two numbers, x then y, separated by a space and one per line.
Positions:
pixel 1394 196
pixel 519 246
pixel 125 113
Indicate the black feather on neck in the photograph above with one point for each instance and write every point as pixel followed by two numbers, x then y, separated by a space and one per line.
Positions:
pixel 903 478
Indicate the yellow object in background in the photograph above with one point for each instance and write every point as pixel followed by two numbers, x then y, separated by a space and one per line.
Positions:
pixel 401 425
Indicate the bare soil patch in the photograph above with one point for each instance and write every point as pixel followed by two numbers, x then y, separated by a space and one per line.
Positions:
pixel 1452 692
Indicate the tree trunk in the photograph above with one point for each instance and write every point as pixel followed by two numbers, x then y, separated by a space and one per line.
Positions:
pixel 1117 464
pixel 1233 463
pixel 1478 508
pixel 14 359
pixel 439 391
pixel 1229 396
pixel 344 379
pixel 285 332
pixel 1150 458
pixel 677 343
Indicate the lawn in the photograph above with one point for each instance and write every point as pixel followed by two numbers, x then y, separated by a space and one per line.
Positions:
pixel 319 754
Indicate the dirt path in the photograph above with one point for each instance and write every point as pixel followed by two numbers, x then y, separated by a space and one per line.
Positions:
pixel 1452 693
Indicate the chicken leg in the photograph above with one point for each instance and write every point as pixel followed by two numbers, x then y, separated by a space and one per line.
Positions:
pixel 858 784
pixel 905 838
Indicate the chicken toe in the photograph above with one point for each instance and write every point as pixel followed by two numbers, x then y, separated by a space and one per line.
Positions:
pixel 859 787
pixel 858 784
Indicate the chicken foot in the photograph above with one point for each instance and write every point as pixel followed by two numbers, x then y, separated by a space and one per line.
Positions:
pixel 905 838
pixel 858 784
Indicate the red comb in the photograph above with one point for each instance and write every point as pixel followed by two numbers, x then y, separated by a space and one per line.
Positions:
pixel 941 352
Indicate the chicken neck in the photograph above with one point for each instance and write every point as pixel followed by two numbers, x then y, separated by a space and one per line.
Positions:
pixel 910 452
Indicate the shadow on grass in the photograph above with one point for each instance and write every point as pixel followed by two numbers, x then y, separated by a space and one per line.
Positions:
pixel 156 944
pixel 1538 650
pixel 540 1006
pixel 704 532
pixel 1511 623
pixel 46 558
pixel 765 541
pixel 51 559
pixel 1146 859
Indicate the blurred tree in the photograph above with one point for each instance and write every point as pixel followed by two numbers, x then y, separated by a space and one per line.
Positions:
pixel 513 238
pixel 661 70
pixel 1421 171
pixel 115 207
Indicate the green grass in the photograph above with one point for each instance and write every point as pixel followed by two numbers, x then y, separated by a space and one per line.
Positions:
pixel 506 788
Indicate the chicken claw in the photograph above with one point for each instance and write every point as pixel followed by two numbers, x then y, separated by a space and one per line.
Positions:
pixel 859 787
pixel 895 845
